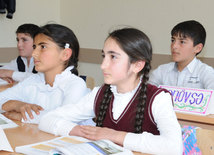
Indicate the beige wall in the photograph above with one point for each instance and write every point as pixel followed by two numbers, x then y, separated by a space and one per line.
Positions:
pixel 27 11
pixel 92 20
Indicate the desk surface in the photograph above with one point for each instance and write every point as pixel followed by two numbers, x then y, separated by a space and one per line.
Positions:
pixel 28 134
pixel 206 122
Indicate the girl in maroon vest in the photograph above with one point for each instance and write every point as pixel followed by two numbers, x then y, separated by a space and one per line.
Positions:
pixel 127 110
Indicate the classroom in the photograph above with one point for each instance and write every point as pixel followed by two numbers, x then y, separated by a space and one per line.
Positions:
pixel 93 20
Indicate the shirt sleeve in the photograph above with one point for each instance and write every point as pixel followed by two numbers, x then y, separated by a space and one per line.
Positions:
pixel 155 77
pixel 20 76
pixel 170 139
pixel 11 66
pixel 13 93
pixel 207 77
pixel 63 119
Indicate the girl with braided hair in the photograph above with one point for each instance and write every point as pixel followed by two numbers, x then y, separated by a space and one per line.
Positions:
pixel 127 110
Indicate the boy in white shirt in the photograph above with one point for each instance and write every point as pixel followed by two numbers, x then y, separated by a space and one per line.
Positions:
pixel 188 39
pixel 23 66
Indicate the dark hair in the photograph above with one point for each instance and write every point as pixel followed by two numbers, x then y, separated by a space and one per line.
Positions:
pixel 30 29
pixel 137 46
pixel 63 36
pixel 192 29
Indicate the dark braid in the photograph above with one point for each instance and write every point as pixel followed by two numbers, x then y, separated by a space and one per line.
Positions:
pixel 142 100
pixel 104 106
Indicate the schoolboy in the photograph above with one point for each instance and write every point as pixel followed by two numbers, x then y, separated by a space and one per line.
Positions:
pixel 187 41
pixel 23 66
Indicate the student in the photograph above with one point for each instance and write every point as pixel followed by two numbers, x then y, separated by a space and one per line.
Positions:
pixel 188 39
pixel 23 66
pixel 56 51
pixel 127 110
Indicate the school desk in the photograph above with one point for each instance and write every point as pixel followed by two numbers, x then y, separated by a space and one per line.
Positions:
pixel 205 122
pixel 27 134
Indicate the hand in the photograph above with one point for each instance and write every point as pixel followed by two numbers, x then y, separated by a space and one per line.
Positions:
pixel 6 73
pixel 97 133
pixel 22 108
pixel 29 108
pixel 13 115
pixel 9 80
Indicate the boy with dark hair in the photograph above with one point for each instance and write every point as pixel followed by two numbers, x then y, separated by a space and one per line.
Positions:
pixel 187 41
pixel 23 66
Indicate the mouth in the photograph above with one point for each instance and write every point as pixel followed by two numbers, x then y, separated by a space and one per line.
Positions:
pixel 36 62
pixel 105 74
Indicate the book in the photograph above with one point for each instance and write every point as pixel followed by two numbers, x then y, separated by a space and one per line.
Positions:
pixel 73 145
pixel 4 143
pixel 6 123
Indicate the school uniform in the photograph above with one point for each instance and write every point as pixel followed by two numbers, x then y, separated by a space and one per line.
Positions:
pixel 67 89
pixel 195 75
pixel 20 68
pixel 161 136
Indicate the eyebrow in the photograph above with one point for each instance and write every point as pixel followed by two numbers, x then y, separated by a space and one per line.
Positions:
pixel 111 52
pixel 42 43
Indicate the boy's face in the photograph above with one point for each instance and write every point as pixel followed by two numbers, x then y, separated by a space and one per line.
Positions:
pixel 183 50
pixel 24 44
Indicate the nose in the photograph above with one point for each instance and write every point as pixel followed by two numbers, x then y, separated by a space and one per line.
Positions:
pixel 174 44
pixel 104 64
pixel 19 44
pixel 35 53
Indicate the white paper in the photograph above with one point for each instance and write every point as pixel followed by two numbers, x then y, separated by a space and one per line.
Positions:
pixel 6 123
pixel 4 144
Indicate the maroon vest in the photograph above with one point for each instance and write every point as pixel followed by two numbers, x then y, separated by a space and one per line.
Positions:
pixel 126 120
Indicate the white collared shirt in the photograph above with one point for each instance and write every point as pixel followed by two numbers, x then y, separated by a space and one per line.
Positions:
pixel 19 76
pixel 67 89
pixel 195 75
pixel 63 119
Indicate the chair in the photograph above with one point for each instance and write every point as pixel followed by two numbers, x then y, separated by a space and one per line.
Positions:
pixel 89 81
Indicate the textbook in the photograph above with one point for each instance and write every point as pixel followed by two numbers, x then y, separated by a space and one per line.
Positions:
pixel 73 145
pixel 6 123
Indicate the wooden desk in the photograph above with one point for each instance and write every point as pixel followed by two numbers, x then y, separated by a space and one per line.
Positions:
pixel 205 122
pixel 28 134
pixel 25 134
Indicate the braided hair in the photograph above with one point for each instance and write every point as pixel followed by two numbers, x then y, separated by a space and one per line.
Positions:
pixel 64 38
pixel 137 46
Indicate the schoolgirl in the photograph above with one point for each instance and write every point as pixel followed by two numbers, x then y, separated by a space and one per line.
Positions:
pixel 56 51
pixel 127 110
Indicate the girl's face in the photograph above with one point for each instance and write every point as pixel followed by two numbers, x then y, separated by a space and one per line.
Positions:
pixel 24 44
pixel 116 67
pixel 47 55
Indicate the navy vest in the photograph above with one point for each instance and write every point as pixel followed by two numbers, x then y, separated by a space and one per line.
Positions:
pixel 21 65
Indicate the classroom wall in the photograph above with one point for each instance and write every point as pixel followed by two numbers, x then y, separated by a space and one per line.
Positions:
pixel 27 11
pixel 92 20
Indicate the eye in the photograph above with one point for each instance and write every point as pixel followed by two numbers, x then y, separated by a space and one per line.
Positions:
pixel 34 46
pixel 113 57
pixel 43 46
pixel 103 55
pixel 182 42
pixel 24 39
pixel 172 40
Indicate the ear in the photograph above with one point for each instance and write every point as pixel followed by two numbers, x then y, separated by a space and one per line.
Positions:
pixel 66 54
pixel 138 66
pixel 198 48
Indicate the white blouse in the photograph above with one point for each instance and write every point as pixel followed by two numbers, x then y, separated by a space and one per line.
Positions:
pixel 63 119
pixel 67 89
